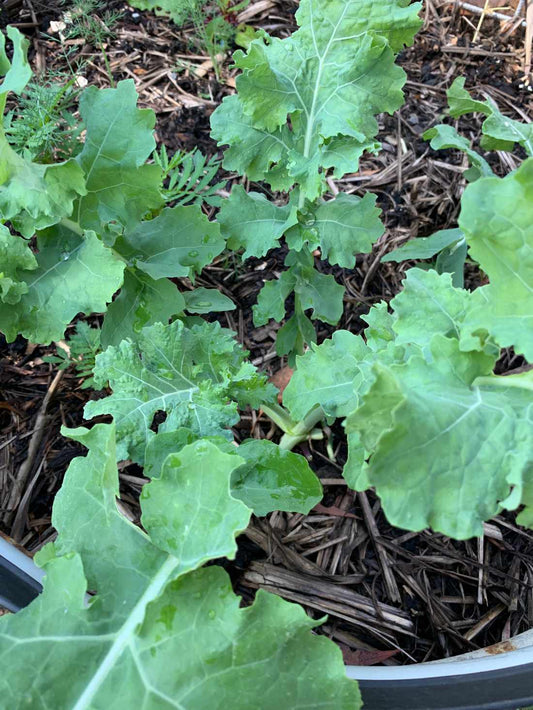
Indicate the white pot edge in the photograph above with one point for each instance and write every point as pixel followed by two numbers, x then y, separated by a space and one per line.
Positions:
pixel 518 651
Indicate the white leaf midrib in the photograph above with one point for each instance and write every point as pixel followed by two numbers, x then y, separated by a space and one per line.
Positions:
pixel 123 637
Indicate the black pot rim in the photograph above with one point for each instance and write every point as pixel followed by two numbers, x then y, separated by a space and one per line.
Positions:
pixel 508 688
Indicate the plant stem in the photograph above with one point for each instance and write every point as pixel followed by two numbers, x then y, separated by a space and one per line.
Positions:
pixel 107 66
pixel 295 432
pixel 72 226
pixel 299 311
pixel 522 381
pixel 279 416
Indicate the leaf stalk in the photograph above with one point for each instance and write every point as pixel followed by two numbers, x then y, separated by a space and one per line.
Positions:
pixel 295 432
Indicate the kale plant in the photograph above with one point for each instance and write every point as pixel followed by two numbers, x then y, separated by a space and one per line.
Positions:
pixel 445 442
pixel 104 239
pixel 305 109
pixel 499 132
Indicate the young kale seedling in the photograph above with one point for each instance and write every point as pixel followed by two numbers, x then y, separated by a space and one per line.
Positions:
pixel 305 109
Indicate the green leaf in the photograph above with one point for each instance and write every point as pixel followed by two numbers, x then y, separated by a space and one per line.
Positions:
pixel 34 196
pixel 179 242
pixel 355 471
pixel 396 20
pixel 342 228
pixel 451 260
pixel 311 73
pixel 502 132
pixel 321 293
pixel 233 656
pixel 445 450
pixel 115 651
pixel 312 289
pixel 448 244
pixel 87 502
pixel 425 247
pixel 207 300
pixel 141 302
pixel 294 335
pixel 74 275
pixel 196 375
pixel 15 256
pixel 460 101
pixel 444 136
pixel 253 152
pixel 15 170
pixel 83 347
pixel 165 443
pixel 274 479
pixel 201 517
pixel 119 139
pixel 338 83
pixel 17 71
pixel 317 382
pixel 380 330
pixel 330 78
pixel 249 221
pixel 342 154
pixel 497 220
pixel 270 479
pixel 272 297
pixel 431 299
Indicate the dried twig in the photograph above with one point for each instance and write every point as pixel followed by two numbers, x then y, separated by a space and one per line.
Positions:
pixel 326 596
pixel 390 582
pixel 41 424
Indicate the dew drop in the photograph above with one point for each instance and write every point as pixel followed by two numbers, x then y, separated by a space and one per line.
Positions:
pixel 211 613
pixel 193 254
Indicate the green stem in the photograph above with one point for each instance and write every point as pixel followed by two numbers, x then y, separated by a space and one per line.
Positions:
pixel 72 226
pixel 289 441
pixel 279 416
pixel 299 312
pixel 107 66
pixel 521 381
pixel 295 432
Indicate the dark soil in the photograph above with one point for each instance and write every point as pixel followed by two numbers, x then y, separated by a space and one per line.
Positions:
pixel 391 596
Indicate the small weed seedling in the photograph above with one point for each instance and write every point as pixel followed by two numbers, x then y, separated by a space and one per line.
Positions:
pixel 213 22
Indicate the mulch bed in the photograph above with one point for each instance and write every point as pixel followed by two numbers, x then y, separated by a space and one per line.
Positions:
pixel 391 596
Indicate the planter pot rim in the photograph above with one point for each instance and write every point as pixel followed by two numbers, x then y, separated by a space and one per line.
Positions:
pixel 516 652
